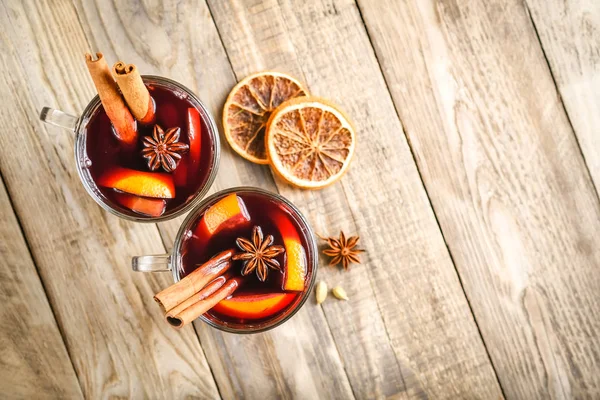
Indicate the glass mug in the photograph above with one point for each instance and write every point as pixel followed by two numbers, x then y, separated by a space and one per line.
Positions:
pixel 174 262
pixel 78 125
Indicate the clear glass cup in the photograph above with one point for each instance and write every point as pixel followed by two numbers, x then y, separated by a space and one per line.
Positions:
pixel 173 262
pixel 78 125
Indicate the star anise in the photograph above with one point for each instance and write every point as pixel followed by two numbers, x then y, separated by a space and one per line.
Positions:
pixel 163 149
pixel 342 250
pixel 258 254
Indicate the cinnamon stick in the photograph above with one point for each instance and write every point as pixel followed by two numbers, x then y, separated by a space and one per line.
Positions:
pixel 200 307
pixel 124 124
pixel 194 282
pixel 201 295
pixel 135 92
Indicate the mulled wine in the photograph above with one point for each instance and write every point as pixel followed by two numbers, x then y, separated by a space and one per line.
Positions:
pixel 274 256
pixel 170 161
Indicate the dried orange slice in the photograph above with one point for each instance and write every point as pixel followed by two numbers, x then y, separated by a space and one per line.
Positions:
pixel 310 142
pixel 248 108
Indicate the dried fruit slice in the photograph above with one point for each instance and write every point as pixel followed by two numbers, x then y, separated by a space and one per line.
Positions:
pixel 254 306
pixel 141 205
pixel 248 108
pixel 146 184
pixel 310 142
pixel 228 212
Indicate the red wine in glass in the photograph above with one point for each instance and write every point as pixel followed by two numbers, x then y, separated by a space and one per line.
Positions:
pixel 123 175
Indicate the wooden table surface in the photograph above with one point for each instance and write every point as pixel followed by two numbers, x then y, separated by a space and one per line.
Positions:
pixel 474 190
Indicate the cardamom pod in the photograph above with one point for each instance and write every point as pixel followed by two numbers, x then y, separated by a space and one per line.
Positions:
pixel 339 293
pixel 321 292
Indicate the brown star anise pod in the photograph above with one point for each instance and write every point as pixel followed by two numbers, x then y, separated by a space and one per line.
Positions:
pixel 163 149
pixel 258 254
pixel 343 250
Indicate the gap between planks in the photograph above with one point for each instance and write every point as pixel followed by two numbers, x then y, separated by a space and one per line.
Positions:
pixel 560 97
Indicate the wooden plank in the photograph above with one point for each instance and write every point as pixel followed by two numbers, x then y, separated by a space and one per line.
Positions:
pixel 407 329
pixel 298 359
pixel 568 32
pixel 119 344
pixel 507 181
pixel 33 357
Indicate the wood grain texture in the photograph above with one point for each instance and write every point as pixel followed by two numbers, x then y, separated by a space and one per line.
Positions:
pixel 506 180
pixel 407 330
pixel 299 359
pixel 33 358
pixel 493 144
pixel 569 32
pixel 115 334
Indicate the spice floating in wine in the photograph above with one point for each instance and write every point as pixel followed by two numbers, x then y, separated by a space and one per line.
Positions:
pixel 258 255
pixel 200 291
pixel 194 282
pixel 163 149
pixel 134 91
pixel 123 123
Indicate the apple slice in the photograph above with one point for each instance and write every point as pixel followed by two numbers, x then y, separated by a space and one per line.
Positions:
pixel 146 184
pixel 254 306
pixel 294 271
pixel 195 137
pixel 189 165
pixel 141 205
pixel 180 175
pixel 227 213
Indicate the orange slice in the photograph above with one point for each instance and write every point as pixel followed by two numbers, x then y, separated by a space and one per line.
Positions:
pixel 294 271
pixel 254 306
pixel 249 107
pixel 310 142
pixel 146 184
pixel 227 213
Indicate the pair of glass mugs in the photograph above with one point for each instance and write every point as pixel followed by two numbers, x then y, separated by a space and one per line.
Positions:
pixel 196 203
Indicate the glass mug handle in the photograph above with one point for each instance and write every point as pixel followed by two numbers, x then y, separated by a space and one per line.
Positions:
pixel 58 118
pixel 155 263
